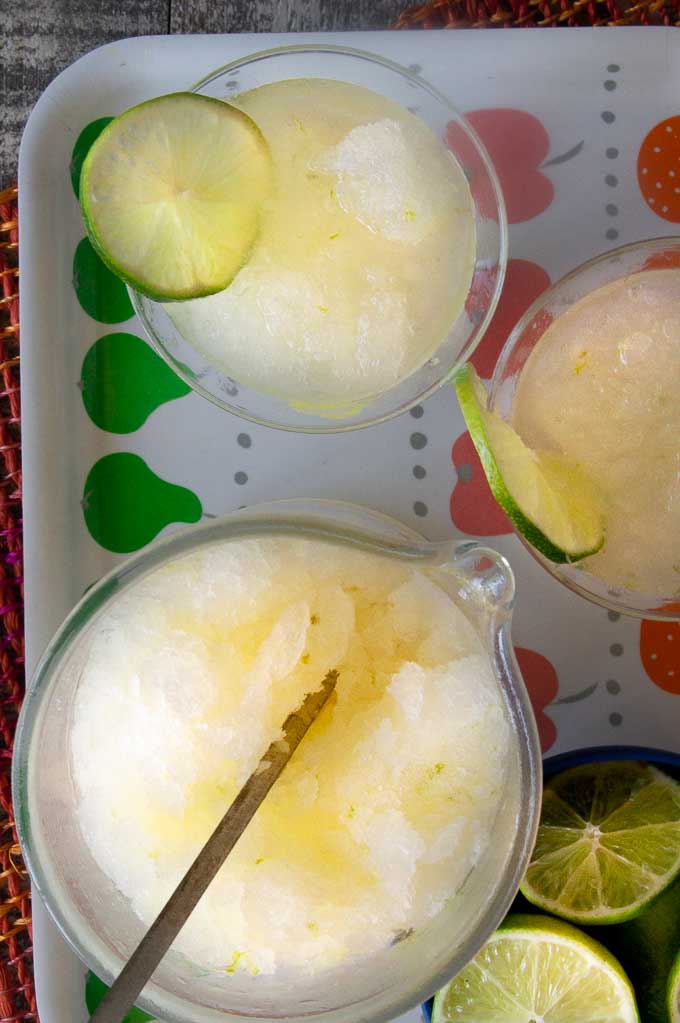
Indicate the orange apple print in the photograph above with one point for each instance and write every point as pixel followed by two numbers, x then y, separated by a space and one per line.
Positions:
pixel 660 653
pixel 473 508
pixel 668 260
pixel 658 169
pixel 541 681
pixel 524 282
pixel 518 145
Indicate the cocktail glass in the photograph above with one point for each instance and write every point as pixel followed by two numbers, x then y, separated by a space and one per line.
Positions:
pixel 398 84
pixel 650 255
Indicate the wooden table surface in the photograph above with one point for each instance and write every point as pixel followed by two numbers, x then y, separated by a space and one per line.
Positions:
pixel 39 38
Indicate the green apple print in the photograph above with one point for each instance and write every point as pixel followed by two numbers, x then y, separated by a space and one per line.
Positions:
pixel 123 381
pixel 88 135
pixel 102 295
pixel 95 989
pixel 126 505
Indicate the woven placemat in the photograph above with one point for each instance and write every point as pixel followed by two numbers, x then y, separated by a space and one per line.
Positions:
pixel 538 13
pixel 17 994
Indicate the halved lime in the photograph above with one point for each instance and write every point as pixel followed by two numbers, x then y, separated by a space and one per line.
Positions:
pixel 674 991
pixel 534 969
pixel 608 842
pixel 547 497
pixel 171 193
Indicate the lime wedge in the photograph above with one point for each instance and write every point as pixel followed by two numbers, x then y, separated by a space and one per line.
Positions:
pixel 534 969
pixel 171 193
pixel 674 992
pixel 608 842
pixel 548 498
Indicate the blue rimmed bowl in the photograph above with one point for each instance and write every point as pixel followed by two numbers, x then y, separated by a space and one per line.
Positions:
pixel 665 759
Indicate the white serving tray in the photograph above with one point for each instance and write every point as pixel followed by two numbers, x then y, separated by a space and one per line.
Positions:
pixel 593 676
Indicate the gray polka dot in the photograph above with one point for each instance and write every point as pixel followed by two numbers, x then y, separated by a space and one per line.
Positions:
pixel 244 440
pixel 608 116
pixel 611 153
pixel 418 441
pixel 420 509
pixel 612 234
pixel 615 719
pixel 613 616
pixel 464 473
pixel 613 686
pixel 417 411
pixel 616 649
pixel 240 478
pixel 612 210
pixel 610 85
pixel 419 472
pixel 611 180
pixel 613 68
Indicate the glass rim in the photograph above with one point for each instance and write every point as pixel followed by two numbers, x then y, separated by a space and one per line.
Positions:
pixel 335 426
pixel 609 601
pixel 277 517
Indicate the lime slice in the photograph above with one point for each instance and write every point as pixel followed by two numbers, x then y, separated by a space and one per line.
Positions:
pixel 608 842
pixel 171 193
pixel 548 498
pixel 534 969
pixel 674 991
